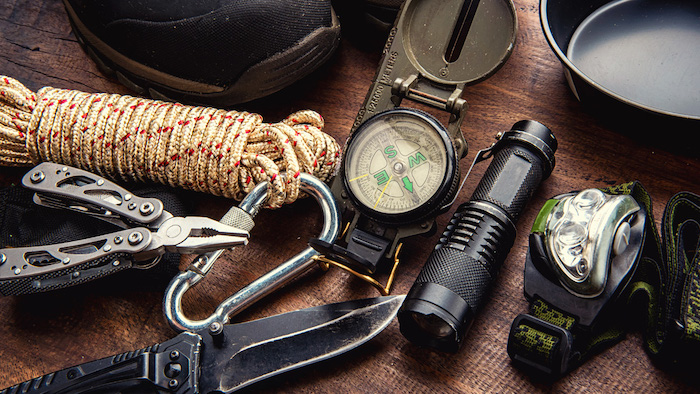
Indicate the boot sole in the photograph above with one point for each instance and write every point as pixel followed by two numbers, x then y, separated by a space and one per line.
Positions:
pixel 261 79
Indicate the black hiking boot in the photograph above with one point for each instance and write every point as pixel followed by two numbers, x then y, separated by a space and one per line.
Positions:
pixel 367 22
pixel 212 52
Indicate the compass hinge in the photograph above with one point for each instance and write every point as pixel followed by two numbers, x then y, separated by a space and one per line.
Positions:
pixel 426 92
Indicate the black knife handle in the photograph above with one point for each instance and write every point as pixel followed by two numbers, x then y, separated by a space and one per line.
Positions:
pixel 171 367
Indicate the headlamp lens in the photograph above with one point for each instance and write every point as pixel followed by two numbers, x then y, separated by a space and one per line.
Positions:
pixel 579 236
pixel 588 201
pixel 569 243
pixel 569 231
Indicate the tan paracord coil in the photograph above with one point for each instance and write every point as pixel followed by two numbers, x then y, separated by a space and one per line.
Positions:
pixel 122 137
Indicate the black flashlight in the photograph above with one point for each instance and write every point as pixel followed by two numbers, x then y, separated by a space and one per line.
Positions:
pixel 440 307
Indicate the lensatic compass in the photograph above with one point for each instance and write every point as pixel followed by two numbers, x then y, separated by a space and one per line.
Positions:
pixel 401 165
pixel 401 168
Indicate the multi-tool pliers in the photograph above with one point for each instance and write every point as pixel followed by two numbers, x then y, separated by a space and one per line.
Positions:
pixel 148 232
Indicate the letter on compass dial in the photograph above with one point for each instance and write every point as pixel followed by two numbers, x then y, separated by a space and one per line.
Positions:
pixel 396 164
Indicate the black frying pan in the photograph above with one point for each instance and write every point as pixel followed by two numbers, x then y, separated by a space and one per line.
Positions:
pixel 634 62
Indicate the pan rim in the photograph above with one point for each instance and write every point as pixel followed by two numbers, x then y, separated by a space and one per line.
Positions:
pixel 544 20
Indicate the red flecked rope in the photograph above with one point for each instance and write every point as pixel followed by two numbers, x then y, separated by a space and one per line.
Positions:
pixel 122 137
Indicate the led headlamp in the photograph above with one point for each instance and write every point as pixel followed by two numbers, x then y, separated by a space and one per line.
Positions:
pixel 596 261
pixel 584 250
pixel 583 233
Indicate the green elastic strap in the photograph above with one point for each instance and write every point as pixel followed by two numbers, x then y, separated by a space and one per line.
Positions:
pixel 553 343
pixel 669 286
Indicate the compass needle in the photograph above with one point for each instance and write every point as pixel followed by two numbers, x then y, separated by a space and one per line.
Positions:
pixel 358 177
pixel 383 190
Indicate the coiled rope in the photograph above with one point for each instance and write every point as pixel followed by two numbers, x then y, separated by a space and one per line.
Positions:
pixel 130 138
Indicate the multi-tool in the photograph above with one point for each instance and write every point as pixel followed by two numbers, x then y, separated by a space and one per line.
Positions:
pixel 148 232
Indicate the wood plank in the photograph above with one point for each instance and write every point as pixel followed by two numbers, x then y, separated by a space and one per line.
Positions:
pixel 45 332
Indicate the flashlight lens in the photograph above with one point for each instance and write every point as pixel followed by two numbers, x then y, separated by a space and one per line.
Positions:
pixel 432 325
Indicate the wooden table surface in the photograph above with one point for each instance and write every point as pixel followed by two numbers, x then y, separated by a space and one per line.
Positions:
pixel 45 332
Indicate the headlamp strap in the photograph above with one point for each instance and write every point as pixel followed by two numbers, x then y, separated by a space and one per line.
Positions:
pixel 668 285
pixel 550 342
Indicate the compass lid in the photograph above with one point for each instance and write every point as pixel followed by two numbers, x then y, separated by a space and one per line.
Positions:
pixel 458 41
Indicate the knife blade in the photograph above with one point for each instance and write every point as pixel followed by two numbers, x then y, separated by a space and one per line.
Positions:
pixel 229 357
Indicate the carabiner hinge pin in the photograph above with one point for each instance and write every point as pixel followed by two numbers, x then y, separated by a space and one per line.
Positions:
pixel 201 265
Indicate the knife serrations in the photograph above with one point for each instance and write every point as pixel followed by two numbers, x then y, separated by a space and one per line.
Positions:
pixel 246 353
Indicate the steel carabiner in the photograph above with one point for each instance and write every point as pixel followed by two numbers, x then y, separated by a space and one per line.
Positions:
pixel 242 217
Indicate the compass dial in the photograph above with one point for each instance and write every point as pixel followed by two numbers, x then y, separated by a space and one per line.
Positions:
pixel 400 165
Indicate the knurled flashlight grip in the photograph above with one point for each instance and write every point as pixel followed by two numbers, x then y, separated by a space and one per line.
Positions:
pixel 451 287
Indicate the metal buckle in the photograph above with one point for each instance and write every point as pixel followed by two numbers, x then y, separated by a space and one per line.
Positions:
pixel 558 360
pixel 325 263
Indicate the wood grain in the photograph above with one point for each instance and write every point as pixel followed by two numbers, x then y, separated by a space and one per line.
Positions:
pixel 45 332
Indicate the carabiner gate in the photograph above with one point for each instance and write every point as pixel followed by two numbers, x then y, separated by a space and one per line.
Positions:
pixel 242 217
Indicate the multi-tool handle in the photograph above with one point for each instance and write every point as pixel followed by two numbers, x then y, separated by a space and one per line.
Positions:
pixel 149 232
pixel 34 269
pixel 171 366
pixel 49 267
pixel 64 187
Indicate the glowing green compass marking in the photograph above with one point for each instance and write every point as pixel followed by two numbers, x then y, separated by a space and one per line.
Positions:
pixel 407 184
